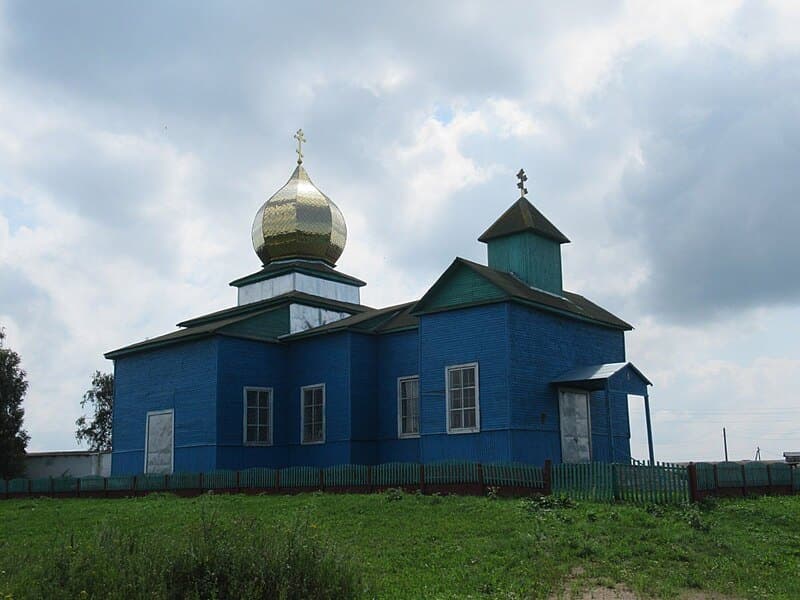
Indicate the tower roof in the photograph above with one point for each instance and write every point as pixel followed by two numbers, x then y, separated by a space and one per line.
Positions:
pixel 523 216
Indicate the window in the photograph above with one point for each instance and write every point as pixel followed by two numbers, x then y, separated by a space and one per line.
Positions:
pixel 313 414
pixel 463 409
pixel 408 407
pixel 257 416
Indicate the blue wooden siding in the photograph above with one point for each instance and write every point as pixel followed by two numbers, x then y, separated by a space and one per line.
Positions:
pixel 363 367
pixel 398 356
pixel 478 334
pixel 182 377
pixel 543 346
pixel 246 363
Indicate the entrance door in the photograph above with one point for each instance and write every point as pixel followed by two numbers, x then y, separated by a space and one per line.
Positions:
pixel 576 445
pixel 159 443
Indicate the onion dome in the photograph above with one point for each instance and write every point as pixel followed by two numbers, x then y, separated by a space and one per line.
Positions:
pixel 299 221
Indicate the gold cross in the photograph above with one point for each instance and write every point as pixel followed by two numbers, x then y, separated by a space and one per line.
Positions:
pixel 300 140
pixel 521 185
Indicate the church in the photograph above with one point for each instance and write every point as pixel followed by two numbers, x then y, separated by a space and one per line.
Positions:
pixel 495 363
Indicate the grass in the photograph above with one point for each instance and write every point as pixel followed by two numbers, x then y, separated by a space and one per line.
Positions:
pixel 409 546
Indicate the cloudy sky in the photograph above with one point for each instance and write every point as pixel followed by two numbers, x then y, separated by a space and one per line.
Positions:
pixel 137 141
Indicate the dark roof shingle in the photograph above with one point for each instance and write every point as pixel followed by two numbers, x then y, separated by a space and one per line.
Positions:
pixel 523 216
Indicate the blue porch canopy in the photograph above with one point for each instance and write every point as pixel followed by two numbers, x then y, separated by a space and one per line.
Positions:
pixel 621 377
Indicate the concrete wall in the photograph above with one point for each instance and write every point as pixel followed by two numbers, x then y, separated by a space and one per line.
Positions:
pixel 67 464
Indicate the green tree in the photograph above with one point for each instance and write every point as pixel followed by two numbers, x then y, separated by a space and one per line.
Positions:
pixel 100 396
pixel 13 439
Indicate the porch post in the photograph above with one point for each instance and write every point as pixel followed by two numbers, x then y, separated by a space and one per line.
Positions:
pixel 649 427
pixel 610 425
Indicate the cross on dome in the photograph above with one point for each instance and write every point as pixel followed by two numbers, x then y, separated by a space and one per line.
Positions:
pixel 300 140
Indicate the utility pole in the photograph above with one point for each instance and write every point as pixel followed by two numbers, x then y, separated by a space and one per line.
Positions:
pixel 758 453
pixel 725 443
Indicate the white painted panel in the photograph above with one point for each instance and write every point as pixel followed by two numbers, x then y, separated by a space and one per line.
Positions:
pixel 302 317
pixel 158 453
pixel 300 282
pixel 269 288
pixel 575 427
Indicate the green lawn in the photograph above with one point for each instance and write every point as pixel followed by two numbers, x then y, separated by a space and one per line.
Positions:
pixel 408 546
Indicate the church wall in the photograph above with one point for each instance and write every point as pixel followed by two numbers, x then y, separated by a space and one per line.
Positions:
pixel 398 356
pixel 182 377
pixel 363 398
pixel 321 359
pixel 477 334
pixel 246 363
pixel 543 346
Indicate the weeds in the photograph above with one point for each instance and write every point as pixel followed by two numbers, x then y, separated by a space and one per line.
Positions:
pixel 238 560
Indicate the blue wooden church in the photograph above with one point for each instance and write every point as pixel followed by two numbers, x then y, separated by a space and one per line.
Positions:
pixel 494 363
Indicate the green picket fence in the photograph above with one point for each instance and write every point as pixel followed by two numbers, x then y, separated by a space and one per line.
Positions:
pixel 637 482
pixel 395 475
pixel 257 478
pixel 449 473
pixel 514 475
pixel 347 476
pixel 219 480
pixel 300 477
pixel 661 483
pixel 585 481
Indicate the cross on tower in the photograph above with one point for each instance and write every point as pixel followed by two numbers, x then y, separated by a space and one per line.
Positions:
pixel 521 185
pixel 300 140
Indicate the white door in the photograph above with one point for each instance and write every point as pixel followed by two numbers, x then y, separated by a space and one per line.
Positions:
pixel 158 450
pixel 576 446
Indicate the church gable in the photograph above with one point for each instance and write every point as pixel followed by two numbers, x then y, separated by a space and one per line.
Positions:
pixel 458 286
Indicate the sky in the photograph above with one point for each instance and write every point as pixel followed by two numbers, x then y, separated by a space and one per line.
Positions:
pixel 137 141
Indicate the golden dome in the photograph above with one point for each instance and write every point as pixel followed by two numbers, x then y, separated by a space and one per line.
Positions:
pixel 299 221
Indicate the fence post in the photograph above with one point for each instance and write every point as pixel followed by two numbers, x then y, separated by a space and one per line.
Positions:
pixel 480 478
pixel 547 475
pixel 369 478
pixel 422 478
pixel 277 479
pixel 615 481
pixel 769 477
pixel 52 488
pixel 29 488
pixel 692 473
pixel 78 487
pixel 321 479
pixel 238 484
pixel 716 480
pixel 744 482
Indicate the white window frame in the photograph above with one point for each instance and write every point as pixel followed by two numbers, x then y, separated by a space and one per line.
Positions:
pixel 147 436
pixel 302 413
pixel 249 388
pixel 477 428
pixel 400 433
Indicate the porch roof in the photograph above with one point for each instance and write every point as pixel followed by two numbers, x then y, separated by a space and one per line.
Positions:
pixel 625 376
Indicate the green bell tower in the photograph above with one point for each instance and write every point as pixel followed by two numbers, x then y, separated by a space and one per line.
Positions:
pixel 523 242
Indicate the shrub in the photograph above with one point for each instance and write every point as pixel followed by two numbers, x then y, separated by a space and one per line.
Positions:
pixel 241 560
pixel 394 494
pixel 554 501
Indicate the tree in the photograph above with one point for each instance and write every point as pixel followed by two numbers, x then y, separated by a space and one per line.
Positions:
pixel 101 398
pixel 13 439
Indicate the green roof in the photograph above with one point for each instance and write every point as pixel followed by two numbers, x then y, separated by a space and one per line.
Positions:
pixel 263 320
pixel 313 268
pixel 470 281
pixel 300 297
pixel 373 321
pixel 523 216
